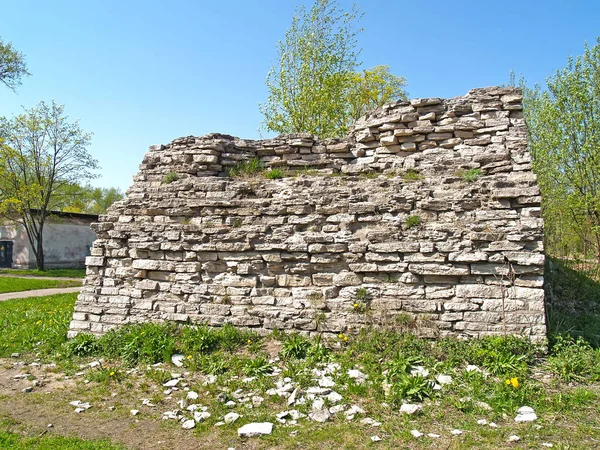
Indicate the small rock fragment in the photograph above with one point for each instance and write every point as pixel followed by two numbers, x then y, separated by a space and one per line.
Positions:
pixel 409 408
pixel 188 424
pixel 513 438
pixel 375 438
pixel 416 433
pixel 456 432
pixel 134 412
pixel 525 414
pixel 231 417
pixel 255 429
pixel 177 360
pixel 321 415
pixel 434 436
pixel 191 395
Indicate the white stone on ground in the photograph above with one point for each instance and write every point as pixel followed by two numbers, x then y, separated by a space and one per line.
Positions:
pixel 525 414
pixel 375 438
pixel 409 408
pixel 333 397
pixel 201 416
pixel 547 444
pixel 356 375
pixel 444 379
pixel 134 412
pixel 420 370
pixel 191 395
pixel 434 436
pixel 177 360
pixel 255 429
pixel 188 424
pixel 172 383
pixel 513 438
pixel 231 417
pixel 456 432
pixel 416 433
pixel 321 415
pixel 257 401
pixel 371 422
pixel 482 422
pixel 326 382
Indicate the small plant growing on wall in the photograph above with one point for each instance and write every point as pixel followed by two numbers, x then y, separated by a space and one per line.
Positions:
pixel 470 175
pixel 247 167
pixel 274 174
pixel 412 175
pixel 361 301
pixel 369 174
pixel 170 177
pixel 412 221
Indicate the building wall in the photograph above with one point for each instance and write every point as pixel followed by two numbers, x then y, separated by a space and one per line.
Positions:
pixel 21 248
pixel 426 215
pixel 65 244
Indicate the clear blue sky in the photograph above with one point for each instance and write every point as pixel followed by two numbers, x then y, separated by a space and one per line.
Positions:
pixel 137 73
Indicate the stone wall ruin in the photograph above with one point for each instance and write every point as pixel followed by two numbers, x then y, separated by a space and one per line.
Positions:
pixel 427 213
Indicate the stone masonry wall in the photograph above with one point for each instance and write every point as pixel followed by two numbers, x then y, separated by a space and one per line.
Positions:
pixel 426 216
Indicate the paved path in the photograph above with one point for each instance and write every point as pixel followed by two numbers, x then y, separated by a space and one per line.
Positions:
pixel 38 293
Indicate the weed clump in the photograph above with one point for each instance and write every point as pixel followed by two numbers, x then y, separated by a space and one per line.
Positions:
pixel 170 177
pixel 246 168
pixel 412 221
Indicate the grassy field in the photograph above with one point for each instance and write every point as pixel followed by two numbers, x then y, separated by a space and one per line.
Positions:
pixel 59 273
pixel 468 392
pixel 8 284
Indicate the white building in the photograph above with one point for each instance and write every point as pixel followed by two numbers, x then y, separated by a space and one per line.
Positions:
pixel 67 240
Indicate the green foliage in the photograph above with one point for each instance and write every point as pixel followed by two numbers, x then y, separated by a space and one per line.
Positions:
pixel 369 174
pixel 246 168
pixel 574 359
pixel 83 345
pixel 27 284
pixel 258 366
pixel 412 221
pixel 572 301
pixel 140 343
pixel 274 174
pixel 471 175
pixel 170 178
pixel 315 88
pixel 12 65
pixel 564 128
pixel 295 346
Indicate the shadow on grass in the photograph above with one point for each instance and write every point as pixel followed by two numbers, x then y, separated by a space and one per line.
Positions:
pixel 572 302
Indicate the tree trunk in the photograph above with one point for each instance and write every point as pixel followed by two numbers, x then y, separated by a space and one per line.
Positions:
pixel 39 254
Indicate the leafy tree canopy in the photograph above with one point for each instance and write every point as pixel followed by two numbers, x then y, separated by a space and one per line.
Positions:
pixel 316 87
pixel 12 66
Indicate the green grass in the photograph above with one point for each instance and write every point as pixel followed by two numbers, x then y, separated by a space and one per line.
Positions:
pixel 27 284
pixel 18 441
pixel 37 324
pixel 58 273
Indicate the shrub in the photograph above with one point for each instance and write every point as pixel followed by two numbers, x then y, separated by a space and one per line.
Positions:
pixel 246 167
pixel 170 177
pixel 258 366
pixel 412 221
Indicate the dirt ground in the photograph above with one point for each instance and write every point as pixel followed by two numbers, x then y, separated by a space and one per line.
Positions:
pixel 34 414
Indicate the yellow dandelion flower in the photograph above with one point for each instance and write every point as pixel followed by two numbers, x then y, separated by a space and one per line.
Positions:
pixel 341 336
pixel 189 356
pixel 507 382
pixel 356 305
pixel 111 374
pixel 345 338
pixel 514 382
pixel 249 341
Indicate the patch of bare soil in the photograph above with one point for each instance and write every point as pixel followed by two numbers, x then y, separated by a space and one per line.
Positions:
pixel 33 412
